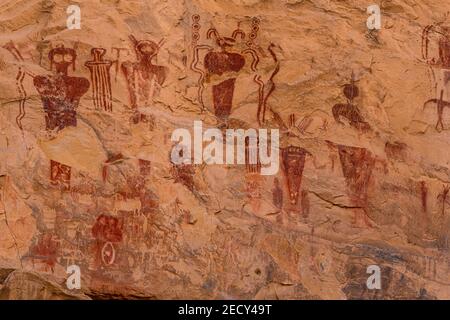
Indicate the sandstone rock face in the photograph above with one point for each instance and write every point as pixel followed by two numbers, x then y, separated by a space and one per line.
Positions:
pixel 86 176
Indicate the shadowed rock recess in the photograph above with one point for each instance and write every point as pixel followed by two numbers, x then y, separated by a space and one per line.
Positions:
pixel 86 177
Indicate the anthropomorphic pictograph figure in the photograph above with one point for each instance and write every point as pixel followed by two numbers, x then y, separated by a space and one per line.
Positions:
pixel 443 43
pixel 144 78
pixel 439 67
pixel 223 65
pixel 357 167
pixel 443 197
pixel 100 79
pixel 293 163
pixel 60 95
pixel 218 63
pixel 107 231
pixel 349 110
pixel 46 251
pixel 440 104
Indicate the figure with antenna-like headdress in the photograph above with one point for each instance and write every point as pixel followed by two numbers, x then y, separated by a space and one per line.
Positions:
pixel 222 64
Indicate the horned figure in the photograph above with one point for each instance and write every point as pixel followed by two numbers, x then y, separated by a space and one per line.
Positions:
pixel 100 79
pixel 60 95
pixel 293 163
pixel 441 62
pixel 349 110
pixel 223 64
pixel 143 77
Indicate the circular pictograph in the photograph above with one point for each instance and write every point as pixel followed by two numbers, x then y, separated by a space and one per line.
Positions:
pixel 108 253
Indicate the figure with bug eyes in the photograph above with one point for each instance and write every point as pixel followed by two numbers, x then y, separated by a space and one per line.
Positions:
pixel 60 95
pixel 143 77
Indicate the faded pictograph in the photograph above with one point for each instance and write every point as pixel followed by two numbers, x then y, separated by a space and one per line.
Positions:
pixel 436 54
pixel 22 72
pixel 45 252
pixel 144 77
pixel 357 167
